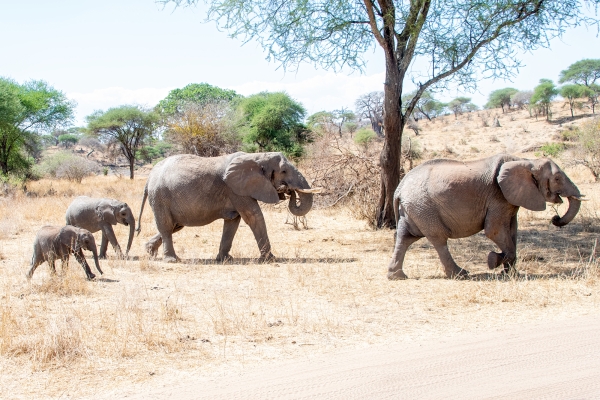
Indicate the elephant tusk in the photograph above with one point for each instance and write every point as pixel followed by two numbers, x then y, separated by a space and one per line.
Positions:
pixel 313 190
pixel 580 198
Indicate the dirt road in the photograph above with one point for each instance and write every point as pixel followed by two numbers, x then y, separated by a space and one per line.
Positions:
pixel 558 360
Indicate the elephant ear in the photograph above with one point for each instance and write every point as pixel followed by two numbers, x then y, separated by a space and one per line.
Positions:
pixel 106 213
pixel 519 187
pixel 245 177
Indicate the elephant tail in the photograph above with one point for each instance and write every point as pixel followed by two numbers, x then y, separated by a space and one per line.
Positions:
pixel 139 227
pixel 397 209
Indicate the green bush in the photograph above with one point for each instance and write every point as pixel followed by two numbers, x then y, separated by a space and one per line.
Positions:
pixel 65 165
pixel 364 137
pixel 552 149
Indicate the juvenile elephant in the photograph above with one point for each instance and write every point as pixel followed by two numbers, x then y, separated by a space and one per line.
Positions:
pixel 442 199
pixel 99 215
pixel 55 242
pixel 187 190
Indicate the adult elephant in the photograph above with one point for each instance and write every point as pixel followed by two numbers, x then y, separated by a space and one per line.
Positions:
pixel 442 199
pixel 100 214
pixel 187 190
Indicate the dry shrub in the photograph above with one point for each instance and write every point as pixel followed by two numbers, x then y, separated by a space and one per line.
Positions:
pixel 349 177
pixel 69 282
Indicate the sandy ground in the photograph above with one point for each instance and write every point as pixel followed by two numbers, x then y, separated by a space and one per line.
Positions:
pixel 557 360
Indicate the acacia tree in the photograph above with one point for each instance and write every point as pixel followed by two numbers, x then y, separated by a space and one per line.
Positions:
pixel 573 92
pixel 501 98
pixel 25 111
pixel 370 106
pixel 460 105
pixel 543 95
pixel 129 127
pixel 456 38
pixel 584 72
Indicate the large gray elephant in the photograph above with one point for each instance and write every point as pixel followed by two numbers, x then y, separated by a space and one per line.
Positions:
pixel 99 215
pixel 187 190
pixel 56 242
pixel 442 199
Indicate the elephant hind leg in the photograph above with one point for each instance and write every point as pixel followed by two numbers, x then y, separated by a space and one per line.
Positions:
pixel 505 238
pixel 403 241
pixel 154 244
pixel 230 227
pixel 451 269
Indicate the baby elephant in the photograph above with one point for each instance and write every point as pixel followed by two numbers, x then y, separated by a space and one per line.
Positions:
pixel 100 215
pixel 55 242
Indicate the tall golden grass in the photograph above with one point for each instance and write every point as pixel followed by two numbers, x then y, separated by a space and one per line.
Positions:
pixel 149 322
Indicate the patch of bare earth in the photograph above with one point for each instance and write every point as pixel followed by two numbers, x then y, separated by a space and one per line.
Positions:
pixel 145 322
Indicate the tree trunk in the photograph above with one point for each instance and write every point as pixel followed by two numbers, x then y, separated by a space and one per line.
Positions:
pixel 391 171
pixel 131 165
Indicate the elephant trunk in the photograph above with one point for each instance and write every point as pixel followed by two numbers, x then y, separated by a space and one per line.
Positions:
pixel 574 204
pixel 95 253
pixel 304 193
pixel 131 224
pixel 306 201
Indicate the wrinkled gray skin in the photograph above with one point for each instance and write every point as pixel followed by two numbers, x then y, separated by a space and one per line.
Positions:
pixel 442 199
pixel 57 242
pixel 100 215
pixel 187 190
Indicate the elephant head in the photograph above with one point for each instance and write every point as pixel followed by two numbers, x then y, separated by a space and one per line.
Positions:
pixel 85 240
pixel 532 183
pixel 115 212
pixel 268 177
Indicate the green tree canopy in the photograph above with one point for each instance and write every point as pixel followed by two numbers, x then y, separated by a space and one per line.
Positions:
pixel 272 122
pixel 458 40
pixel 543 94
pixel 25 111
pixel 197 93
pixel 127 126
pixel 460 105
pixel 501 98
pixel 573 92
pixel 584 72
pixel 426 106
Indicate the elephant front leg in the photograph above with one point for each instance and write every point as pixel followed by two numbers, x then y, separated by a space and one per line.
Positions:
pixel 403 241
pixel 256 221
pixel 109 233
pixel 81 260
pixel 230 227
pixel 451 269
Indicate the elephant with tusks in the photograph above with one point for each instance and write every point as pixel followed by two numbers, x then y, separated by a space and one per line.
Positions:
pixel 449 199
pixel 187 190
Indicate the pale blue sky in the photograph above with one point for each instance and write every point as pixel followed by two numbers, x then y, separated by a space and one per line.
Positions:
pixel 113 52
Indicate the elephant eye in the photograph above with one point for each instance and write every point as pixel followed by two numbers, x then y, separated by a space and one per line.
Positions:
pixel 283 172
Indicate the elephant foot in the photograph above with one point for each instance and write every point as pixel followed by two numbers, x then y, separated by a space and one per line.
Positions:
pixel 458 274
pixel 265 258
pixel 510 272
pixel 397 275
pixel 171 259
pixel 151 249
pixel 224 258
pixel 101 256
pixel 91 276
pixel 494 260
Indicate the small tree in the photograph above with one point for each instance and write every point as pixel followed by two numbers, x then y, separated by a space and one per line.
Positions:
pixel 521 99
pixel 76 168
pixel 321 122
pixel 584 72
pixel 370 106
pixel 202 129
pixel 571 93
pixel 195 93
pixel 501 98
pixel 589 146
pixel 273 122
pixel 460 105
pixel 68 140
pixel 425 107
pixel 543 95
pixel 28 110
pixel 341 117
pixel 128 127
pixel 364 137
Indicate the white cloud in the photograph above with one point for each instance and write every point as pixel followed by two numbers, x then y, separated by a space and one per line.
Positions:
pixel 103 99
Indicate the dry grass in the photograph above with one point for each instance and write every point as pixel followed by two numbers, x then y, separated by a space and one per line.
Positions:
pixel 151 323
